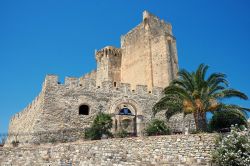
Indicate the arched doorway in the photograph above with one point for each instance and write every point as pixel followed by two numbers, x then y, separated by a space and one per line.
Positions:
pixel 125 119
pixel 127 114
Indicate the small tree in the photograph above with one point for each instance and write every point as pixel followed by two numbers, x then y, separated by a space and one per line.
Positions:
pixel 197 93
pixel 101 126
pixel 233 149
pixel 157 127
pixel 225 119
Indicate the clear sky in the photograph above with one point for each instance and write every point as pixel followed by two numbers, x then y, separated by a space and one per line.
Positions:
pixel 59 37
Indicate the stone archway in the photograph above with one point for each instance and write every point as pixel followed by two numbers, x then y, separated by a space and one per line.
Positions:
pixel 127 115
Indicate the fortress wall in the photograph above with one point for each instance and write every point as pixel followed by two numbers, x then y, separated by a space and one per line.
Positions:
pixel 62 102
pixel 188 150
pixel 23 122
pixel 29 112
pixel 57 105
pixel 58 109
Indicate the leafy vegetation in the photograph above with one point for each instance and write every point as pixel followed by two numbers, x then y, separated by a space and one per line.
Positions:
pixel 100 127
pixel 233 149
pixel 122 134
pixel 222 120
pixel 157 127
pixel 197 93
pixel 15 143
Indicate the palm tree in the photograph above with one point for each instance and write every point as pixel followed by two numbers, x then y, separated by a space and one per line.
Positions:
pixel 197 94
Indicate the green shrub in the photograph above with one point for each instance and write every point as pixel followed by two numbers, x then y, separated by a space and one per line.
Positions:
pixel 157 127
pixel 100 127
pixel 233 149
pixel 121 134
pixel 52 140
pixel 15 143
pixel 225 119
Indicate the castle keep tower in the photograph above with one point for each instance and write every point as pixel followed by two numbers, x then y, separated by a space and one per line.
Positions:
pixel 149 55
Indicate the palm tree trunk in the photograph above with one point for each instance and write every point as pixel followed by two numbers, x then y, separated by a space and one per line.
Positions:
pixel 196 119
pixel 200 120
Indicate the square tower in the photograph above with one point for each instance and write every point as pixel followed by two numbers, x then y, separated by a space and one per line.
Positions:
pixel 149 54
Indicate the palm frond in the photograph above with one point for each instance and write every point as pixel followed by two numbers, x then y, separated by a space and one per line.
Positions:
pixel 180 92
pixel 229 93
pixel 228 107
pixel 180 83
pixel 231 107
pixel 214 89
pixel 217 78
pixel 218 82
pixel 204 72
pixel 167 102
pixel 200 75
pixel 186 77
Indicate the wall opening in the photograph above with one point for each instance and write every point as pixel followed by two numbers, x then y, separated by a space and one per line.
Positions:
pixel 125 111
pixel 84 110
pixel 114 84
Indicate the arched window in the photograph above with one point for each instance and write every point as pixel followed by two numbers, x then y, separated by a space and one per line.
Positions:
pixel 125 111
pixel 84 110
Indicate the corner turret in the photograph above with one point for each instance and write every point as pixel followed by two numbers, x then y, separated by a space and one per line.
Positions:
pixel 108 65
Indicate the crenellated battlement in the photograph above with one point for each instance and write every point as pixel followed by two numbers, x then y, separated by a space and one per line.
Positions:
pixel 89 84
pixel 148 22
pixel 108 51
pixel 71 81
pixel 35 103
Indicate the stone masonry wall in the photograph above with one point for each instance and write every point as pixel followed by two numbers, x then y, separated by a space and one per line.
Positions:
pixel 59 106
pixel 193 150
pixel 26 120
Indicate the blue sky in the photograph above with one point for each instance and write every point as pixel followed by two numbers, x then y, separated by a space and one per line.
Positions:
pixel 59 37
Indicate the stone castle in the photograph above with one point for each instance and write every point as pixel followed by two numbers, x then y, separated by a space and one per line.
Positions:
pixel 127 83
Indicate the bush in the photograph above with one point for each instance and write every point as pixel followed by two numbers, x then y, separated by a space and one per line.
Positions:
pixel 122 134
pixel 15 143
pixel 223 120
pixel 100 127
pixel 157 127
pixel 233 149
